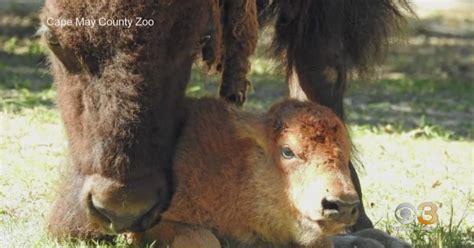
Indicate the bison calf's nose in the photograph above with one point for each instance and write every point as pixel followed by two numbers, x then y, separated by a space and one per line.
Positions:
pixel 345 211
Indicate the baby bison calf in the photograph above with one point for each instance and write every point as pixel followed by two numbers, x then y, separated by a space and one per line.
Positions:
pixel 275 179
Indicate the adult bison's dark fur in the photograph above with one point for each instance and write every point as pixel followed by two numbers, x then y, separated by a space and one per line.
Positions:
pixel 120 93
pixel 323 41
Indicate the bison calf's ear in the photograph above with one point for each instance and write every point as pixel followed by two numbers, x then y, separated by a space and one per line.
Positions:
pixel 62 53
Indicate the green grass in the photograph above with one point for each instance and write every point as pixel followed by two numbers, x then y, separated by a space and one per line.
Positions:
pixel 414 137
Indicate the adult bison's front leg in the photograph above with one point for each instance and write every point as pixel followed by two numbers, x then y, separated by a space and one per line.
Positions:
pixel 240 40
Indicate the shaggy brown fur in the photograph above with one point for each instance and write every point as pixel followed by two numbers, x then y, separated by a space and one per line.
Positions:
pixel 120 93
pixel 239 36
pixel 240 40
pixel 323 41
pixel 258 179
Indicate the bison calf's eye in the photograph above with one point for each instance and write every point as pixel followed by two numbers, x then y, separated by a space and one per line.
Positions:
pixel 287 153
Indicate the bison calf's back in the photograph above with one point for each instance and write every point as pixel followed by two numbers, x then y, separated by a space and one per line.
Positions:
pixel 280 178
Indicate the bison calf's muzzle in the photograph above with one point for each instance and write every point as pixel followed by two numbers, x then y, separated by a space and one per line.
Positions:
pixel 117 207
pixel 342 211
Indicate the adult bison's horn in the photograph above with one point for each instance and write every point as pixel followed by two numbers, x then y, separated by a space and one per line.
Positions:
pixel 63 54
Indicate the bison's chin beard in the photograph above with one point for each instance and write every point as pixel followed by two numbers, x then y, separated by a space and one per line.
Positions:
pixel 331 227
pixel 310 231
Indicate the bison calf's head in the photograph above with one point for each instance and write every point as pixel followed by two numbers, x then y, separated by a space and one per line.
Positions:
pixel 311 149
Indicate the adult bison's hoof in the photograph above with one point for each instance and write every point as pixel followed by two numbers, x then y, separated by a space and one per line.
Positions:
pixel 237 98
pixel 235 93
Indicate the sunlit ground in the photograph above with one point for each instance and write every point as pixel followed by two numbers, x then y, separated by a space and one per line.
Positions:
pixel 429 7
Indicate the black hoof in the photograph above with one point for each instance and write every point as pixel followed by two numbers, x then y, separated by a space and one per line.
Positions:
pixel 238 99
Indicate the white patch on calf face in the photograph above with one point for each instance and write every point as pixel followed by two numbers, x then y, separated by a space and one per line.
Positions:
pixel 306 190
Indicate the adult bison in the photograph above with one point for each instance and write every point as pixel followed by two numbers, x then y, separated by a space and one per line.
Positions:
pixel 121 89
pixel 120 93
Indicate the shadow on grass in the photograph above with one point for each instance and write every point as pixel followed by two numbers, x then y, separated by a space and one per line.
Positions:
pixel 22 58
pixel 420 106
pixel 24 82
pixel 24 71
